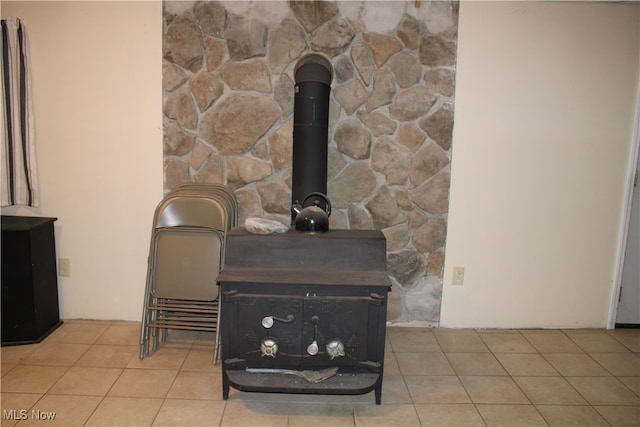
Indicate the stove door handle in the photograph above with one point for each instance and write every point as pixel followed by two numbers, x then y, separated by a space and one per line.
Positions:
pixel 267 322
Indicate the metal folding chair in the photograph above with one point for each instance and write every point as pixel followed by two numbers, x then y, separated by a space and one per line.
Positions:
pixel 185 256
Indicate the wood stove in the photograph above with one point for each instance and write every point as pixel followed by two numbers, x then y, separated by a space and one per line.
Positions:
pixel 305 312
pixel 297 306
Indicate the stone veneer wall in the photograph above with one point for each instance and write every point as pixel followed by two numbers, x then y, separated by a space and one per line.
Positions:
pixel 228 118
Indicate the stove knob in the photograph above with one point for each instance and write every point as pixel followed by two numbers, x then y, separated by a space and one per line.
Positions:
pixel 313 348
pixel 267 322
pixel 335 348
pixel 269 347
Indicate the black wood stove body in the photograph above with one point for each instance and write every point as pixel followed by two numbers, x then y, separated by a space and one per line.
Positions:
pixel 304 312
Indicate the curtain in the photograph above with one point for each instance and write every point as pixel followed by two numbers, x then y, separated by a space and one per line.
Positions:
pixel 18 162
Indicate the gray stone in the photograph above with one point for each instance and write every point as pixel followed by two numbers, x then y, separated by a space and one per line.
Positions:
pixel 439 126
pixel 264 226
pixel 312 14
pixel 435 51
pixel 384 209
pixel 430 236
pixel 261 150
pixel 408 32
pixel 179 106
pixel 411 104
pixel 244 170
pixel 281 146
pixel 382 47
pixel 214 50
pixel 333 38
pixel 406 69
pixel 236 122
pixel 211 18
pixel 177 141
pixel 441 17
pixel 248 204
pixel 383 90
pixel 426 163
pixel 212 171
pixel 176 172
pixel 441 80
pixel 423 301
pixel 335 162
pixel 433 195
pixel 410 136
pixel 183 43
pixel 353 139
pixel 275 197
pixel 362 58
pixel 338 220
pixel 283 93
pixel 286 43
pixel 199 155
pixel 395 306
pixel 351 185
pixel 377 122
pixel 391 160
pixel 343 69
pixel 205 89
pixel 406 266
pixel 172 76
pixel 359 218
pixel 247 75
pixel 350 95
pixel 397 237
pixel 246 38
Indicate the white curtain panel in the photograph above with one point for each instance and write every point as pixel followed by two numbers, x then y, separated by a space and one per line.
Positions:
pixel 18 156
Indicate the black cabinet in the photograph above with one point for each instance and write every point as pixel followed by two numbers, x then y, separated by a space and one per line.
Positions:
pixel 29 280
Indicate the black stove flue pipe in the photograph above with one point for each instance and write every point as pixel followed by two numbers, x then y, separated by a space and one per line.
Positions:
pixel 313 74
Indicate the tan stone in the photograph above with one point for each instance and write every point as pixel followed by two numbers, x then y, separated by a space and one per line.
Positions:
pixel 281 146
pixel 247 75
pixel 179 106
pixel 381 46
pixel 312 14
pixel 351 96
pixel 433 195
pixel 351 185
pixel 426 163
pixel 214 51
pixel 183 43
pixel 243 170
pixel 205 89
pixel 211 172
pixel 410 136
pixel 430 236
pixel 236 122
pixel 287 42
pixel 353 139
pixel 392 160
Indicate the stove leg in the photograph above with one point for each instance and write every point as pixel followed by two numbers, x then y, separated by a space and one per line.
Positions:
pixel 378 393
pixel 225 386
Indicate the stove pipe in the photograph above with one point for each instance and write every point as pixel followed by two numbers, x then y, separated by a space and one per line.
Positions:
pixel 313 74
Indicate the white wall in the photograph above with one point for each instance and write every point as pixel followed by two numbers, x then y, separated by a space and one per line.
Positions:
pixel 97 84
pixel 545 103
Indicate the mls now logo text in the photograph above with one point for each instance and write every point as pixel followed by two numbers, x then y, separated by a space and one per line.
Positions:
pixel 23 414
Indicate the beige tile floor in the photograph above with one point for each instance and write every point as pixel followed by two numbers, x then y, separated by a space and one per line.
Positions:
pixel 88 373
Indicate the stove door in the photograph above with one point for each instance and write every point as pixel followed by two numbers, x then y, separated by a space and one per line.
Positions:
pixel 343 331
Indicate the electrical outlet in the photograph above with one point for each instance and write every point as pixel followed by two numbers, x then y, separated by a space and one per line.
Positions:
pixel 458 276
pixel 65 267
